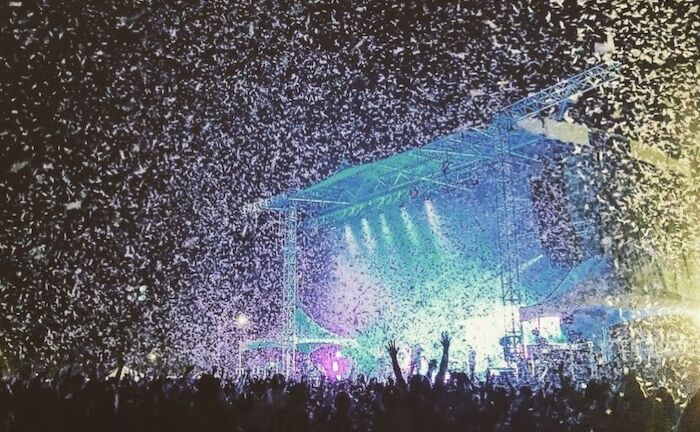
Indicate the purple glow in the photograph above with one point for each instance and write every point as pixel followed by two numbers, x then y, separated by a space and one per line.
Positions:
pixel 329 360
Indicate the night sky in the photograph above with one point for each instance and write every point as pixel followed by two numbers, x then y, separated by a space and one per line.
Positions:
pixel 132 135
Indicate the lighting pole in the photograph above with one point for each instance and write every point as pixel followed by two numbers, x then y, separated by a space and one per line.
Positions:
pixel 241 324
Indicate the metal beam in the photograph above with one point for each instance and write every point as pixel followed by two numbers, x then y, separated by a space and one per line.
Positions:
pixel 560 92
pixel 399 189
pixel 450 153
pixel 436 182
pixel 511 296
pixel 502 125
pixel 317 201
pixel 289 300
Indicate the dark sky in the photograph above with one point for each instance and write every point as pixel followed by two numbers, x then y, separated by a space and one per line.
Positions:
pixel 133 133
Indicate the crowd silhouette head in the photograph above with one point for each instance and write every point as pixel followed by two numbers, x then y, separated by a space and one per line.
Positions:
pixel 74 400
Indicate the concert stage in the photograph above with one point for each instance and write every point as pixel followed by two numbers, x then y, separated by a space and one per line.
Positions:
pixel 457 235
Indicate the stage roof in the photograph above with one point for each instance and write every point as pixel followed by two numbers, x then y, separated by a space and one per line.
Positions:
pixel 447 162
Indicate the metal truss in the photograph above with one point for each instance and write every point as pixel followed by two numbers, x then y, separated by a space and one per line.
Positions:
pixel 356 188
pixel 562 92
pixel 289 298
pixel 511 295
pixel 444 163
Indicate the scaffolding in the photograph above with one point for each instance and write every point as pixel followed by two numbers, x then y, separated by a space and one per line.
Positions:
pixel 289 298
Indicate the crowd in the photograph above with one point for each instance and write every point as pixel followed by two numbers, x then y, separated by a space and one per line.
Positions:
pixel 434 402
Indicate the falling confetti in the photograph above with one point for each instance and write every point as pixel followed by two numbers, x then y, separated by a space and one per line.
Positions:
pixel 134 137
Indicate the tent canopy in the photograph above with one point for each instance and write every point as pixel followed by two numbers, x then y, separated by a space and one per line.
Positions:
pixel 311 335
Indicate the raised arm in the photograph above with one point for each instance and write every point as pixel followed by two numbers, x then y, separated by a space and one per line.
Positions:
pixel 445 341
pixel 393 352
pixel 486 387
pixel 432 366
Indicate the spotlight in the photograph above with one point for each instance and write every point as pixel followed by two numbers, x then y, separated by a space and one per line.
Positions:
pixel 410 227
pixel 434 221
pixel 242 320
pixel 367 232
pixel 386 232
pixel 350 239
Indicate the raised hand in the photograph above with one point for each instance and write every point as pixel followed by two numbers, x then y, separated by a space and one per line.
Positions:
pixel 391 347
pixel 432 366
pixel 445 340
pixel 393 351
